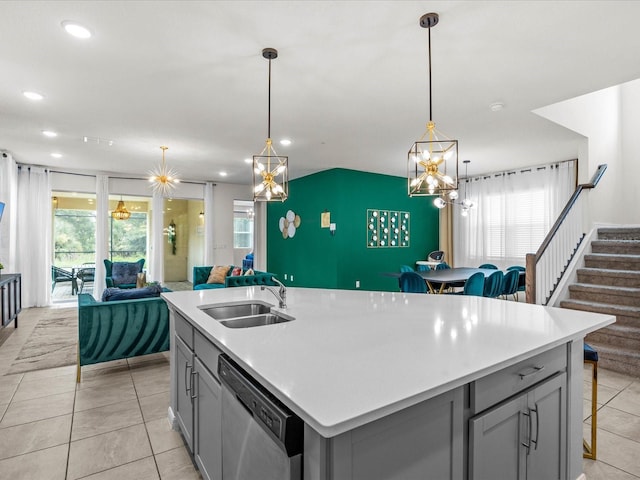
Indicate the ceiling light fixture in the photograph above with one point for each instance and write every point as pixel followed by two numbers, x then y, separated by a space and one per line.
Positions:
pixel 164 179
pixel 121 212
pixel 432 167
pixel 33 95
pixel 76 30
pixel 223 174
pixel 270 170
pixel 466 204
pixel 49 133
pixel 285 142
pixel 56 155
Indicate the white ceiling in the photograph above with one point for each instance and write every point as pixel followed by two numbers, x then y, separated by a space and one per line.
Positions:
pixel 349 86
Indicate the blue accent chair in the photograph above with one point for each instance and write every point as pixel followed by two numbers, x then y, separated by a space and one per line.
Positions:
pixel 493 285
pixel 510 284
pixel 411 282
pixel 125 274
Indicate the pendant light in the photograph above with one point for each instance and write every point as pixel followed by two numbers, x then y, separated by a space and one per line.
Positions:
pixel 466 204
pixel 432 167
pixel 121 212
pixel 163 179
pixel 270 170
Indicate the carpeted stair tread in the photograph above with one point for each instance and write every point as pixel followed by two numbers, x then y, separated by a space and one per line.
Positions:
pixel 609 272
pixel 598 307
pixel 618 233
pixel 622 247
pixel 606 288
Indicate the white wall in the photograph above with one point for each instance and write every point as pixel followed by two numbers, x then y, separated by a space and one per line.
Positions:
pixel 629 194
pixel 223 196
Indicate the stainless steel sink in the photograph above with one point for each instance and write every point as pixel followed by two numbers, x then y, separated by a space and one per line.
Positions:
pixel 256 320
pixel 233 310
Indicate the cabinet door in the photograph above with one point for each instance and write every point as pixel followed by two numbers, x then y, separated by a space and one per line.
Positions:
pixel 547 404
pixel 496 440
pixel 208 432
pixel 183 373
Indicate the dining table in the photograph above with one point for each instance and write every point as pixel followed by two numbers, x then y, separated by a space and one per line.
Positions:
pixel 439 280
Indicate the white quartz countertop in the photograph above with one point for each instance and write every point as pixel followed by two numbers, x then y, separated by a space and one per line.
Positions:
pixel 351 357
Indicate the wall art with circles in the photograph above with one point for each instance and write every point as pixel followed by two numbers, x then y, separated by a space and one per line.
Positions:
pixel 289 224
pixel 387 229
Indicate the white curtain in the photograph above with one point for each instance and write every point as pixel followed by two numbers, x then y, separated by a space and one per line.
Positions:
pixel 8 225
pixel 102 228
pixel 513 212
pixel 34 235
pixel 155 264
pixel 208 225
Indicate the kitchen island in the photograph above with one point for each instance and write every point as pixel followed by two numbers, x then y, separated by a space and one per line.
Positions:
pixel 389 385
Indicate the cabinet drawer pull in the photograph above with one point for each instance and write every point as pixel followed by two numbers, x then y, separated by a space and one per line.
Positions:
pixel 533 371
pixel 535 442
pixel 193 389
pixel 187 381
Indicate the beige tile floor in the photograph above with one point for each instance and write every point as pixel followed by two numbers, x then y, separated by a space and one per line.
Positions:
pixel 114 424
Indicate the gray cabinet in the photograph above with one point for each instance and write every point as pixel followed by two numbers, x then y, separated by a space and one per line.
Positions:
pixel 197 403
pixel 422 441
pixel 522 438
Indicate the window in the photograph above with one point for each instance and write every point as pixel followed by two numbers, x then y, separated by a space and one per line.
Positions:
pixel 74 236
pixel 242 224
pixel 128 238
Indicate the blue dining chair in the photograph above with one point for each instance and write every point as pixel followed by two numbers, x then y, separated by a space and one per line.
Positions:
pixel 423 268
pixel 493 285
pixel 405 268
pixel 510 284
pixel 522 283
pixel 488 265
pixel 442 266
pixel 474 285
pixel 411 282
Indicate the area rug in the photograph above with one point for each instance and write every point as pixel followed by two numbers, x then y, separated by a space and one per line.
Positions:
pixel 52 342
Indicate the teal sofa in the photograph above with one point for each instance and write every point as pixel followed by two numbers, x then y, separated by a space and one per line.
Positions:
pixel 120 329
pixel 201 274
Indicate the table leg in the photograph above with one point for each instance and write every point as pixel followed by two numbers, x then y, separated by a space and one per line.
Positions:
pixel 74 286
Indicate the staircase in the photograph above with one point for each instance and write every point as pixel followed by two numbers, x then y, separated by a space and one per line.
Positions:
pixel 610 283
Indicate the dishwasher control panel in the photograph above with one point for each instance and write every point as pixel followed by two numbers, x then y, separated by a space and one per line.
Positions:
pixel 282 424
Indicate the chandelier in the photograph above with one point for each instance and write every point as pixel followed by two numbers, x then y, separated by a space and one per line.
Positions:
pixel 270 170
pixel 164 179
pixel 121 212
pixel 466 204
pixel 432 167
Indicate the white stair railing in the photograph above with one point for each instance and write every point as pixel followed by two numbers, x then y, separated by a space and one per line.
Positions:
pixel 546 267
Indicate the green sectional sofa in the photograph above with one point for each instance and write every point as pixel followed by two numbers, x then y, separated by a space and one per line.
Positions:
pixel 120 329
pixel 201 274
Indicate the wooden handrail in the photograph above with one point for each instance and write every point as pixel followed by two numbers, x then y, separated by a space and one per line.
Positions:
pixel 565 211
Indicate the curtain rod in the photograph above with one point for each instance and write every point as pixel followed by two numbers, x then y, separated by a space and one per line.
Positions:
pixel 21 165
pixel 485 176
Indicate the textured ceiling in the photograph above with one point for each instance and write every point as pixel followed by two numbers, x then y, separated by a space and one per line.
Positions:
pixel 349 86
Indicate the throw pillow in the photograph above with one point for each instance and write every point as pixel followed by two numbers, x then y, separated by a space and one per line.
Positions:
pixel 218 274
pixel 141 280
pixel 236 272
pixel 113 294
pixel 124 273
pixel 249 272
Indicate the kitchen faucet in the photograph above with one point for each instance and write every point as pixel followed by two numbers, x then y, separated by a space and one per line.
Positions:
pixel 281 294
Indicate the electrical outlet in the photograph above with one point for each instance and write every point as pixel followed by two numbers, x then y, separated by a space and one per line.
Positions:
pixel 357 283
pixel 292 277
pixel 285 276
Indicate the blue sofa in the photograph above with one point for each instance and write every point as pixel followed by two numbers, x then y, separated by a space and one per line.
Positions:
pixel 120 329
pixel 201 274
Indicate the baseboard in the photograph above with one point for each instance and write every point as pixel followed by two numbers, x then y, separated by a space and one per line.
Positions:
pixel 172 419
pixel 582 477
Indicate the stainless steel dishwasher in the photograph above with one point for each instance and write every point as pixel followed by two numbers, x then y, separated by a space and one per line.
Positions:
pixel 261 438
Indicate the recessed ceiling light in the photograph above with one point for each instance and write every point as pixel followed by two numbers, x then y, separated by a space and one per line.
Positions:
pixel 33 95
pixel 248 160
pixel 56 155
pixel 223 174
pixel 75 29
pixel 49 133
pixel 285 141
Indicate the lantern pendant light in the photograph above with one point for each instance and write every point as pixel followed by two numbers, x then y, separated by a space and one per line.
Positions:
pixel 432 166
pixel 270 170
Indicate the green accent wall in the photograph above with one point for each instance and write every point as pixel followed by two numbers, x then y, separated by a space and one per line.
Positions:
pixel 315 258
